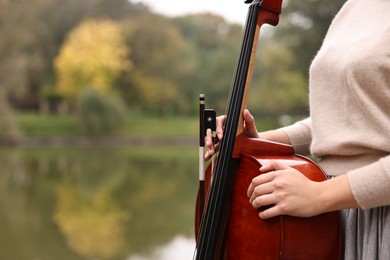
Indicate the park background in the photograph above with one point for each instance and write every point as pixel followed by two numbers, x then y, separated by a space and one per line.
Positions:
pixel 99 118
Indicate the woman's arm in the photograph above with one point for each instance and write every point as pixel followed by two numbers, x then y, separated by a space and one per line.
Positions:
pixel 275 136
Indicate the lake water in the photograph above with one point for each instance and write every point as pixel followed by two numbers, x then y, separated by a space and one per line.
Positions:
pixel 102 203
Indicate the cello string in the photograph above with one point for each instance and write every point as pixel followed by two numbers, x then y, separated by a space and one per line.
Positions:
pixel 233 113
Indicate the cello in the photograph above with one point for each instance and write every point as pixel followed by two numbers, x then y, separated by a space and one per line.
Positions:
pixel 228 227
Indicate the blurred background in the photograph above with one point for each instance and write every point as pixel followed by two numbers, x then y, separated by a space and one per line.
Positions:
pixel 99 118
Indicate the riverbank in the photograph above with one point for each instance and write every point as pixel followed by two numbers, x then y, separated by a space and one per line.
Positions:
pixel 33 124
pixel 39 130
pixel 104 141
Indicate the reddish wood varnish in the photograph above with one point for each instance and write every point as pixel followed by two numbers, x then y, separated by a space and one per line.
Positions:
pixel 284 237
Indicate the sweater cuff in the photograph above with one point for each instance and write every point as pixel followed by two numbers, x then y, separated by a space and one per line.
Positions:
pixel 370 184
pixel 299 135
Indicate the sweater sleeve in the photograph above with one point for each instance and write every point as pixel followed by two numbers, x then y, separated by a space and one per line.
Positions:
pixel 370 184
pixel 299 134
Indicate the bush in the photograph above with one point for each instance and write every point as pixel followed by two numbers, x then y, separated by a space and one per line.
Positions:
pixel 101 114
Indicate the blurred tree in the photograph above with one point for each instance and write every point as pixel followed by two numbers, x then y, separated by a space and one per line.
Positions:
pixel 278 87
pixel 116 9
pixel 30 37
pixel 93 55
pixel 303 25
pixel 215 44
pixel 185 55
pixel 280 72
pixel 16 57
pixel 100 114
pixel 162 64
pixel 32 34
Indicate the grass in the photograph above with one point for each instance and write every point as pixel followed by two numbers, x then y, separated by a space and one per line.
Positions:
pixel 34 124
pixel 168 126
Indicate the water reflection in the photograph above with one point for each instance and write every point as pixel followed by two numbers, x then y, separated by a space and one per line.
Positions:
pixel 94 224
pixel 178 249
pixel 97 203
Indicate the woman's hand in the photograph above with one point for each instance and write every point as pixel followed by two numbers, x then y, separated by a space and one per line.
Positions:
pixel 283 190
pixel 250 130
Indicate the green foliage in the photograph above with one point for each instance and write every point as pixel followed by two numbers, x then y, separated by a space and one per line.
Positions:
pixel 163 63
pixel 303 25
pixel 33 124
pixel 101 114
pixel 174 59
pixel 278 86
pixel 216 43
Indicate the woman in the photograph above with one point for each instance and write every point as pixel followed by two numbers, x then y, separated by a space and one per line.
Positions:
pixel 348 129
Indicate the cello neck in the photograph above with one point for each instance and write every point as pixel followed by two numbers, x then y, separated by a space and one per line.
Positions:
pixel 269 16
pixel 244 104
pixel 210 241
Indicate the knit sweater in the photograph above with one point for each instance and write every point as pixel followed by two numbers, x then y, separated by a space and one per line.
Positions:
pixel 349 86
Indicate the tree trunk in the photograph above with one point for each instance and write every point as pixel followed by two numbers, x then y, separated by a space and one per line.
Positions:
pixel 8 125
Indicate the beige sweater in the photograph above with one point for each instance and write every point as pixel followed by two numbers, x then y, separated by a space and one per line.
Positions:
pixel 349 124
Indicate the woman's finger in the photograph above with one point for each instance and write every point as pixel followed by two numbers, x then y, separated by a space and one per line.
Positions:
pixel 270 212
pixel 250 129
pixel 263 201
pixel 219 126
pixel 260 190
pixel 273 165
pixel 259 180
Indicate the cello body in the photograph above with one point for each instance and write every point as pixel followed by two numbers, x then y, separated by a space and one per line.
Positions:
pixel 282 237
pixel 248 237
pixel 229 227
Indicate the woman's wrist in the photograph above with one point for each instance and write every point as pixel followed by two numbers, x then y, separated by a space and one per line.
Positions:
pixel 275 136
pixel 335 194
